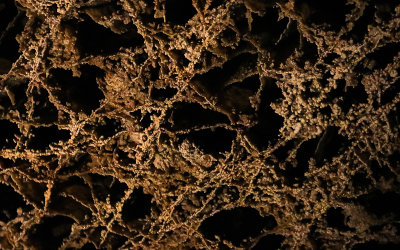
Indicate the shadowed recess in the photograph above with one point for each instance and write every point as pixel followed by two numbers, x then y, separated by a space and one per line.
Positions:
pixel 236 224
pixel 137 206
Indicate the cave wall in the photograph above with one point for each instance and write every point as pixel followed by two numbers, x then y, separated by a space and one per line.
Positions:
pixel 203 124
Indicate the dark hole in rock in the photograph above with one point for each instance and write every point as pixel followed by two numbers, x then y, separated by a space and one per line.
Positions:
pixel 394 161
pixel 269 242
pixel 215 79
pixel 6 163
pixel 269 122
pixel 381 204
pixel 17 98
pixel 385 8
pixel 228 193
pixel 286 46
pixel 140 58
pixel 9 203
pixel 309 52
pixel 236 96
pixel 154 72
pixel 101 185
pixel 350 95
pixel 8 11
pixel 95 235
pixel 208 60
pixel 117 191
pixel 360 28
pixel 181 58
pixel 330 12
pixel 12 22
pixel 382 56
pixel 77 163
pixel 394 118
pixel 390 93
pixel 330 57
pixel 72 180
pixel 306 151
pixel 114 241
pixel 107 127
pixel 189 115
pixel 269 27
pixel 81 93
pixel 374 245
pixel 239 16
pixel 51 232
pixel 7 134
pixel 330 145
pixel 137 206
pixel 271 92
pixel 42 137
pixel 295 174
pixel 228 37
pixel 44 110
pixel 124 158
pixel 76 188
pixel 95 39
pixel 283 151
pixel 179 11
pixel 380 170
pixel 213 140
pixel 216 3
pixel 145 117
pixel 88 246
pixel 69 206
pixel 335 218
pixel 360 181
pixel 236 225
pixel 32 191
pixel 163 94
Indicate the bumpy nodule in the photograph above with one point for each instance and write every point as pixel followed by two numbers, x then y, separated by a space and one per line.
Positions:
pixel 200 124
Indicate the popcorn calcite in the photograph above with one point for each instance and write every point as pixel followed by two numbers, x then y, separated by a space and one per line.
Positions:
pixel 203 124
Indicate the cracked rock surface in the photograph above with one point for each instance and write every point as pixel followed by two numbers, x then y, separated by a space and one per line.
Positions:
pixel 199 124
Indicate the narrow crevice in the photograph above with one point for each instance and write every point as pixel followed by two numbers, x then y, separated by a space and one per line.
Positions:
pixel 236 96
pixel 189 115
pixel 163 94
pixel 372 245
pixel 107 127
pixel 44 110
pixel 329 12
pixel 10 202
pixel 214 80
pixel 270 242
pixel 381 203
pixel 95 39
pixel 12 22
pixel 335 218
pixel 137 206
pixel 360 28
pixel 50 233
pixel 212 141
pixel 236 225
pixel 269 122
pixel 179 11
pixel 43 137
pixel 8 132
pixel 80 94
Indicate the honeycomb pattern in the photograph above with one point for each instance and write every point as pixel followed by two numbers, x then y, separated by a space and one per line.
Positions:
pixel 199 124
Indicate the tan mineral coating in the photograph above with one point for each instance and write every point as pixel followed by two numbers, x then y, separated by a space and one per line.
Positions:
pixel 244 104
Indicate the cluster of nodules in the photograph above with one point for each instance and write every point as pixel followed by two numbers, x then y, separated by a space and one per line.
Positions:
pixel 203 124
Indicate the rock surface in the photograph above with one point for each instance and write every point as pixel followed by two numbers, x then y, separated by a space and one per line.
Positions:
pixel 199 124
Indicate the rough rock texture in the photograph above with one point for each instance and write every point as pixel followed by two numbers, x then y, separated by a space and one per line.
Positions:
pixel 203 124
